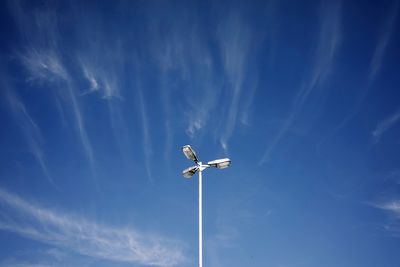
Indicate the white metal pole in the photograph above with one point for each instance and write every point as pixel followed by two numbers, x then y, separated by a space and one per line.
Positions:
pixel 200 220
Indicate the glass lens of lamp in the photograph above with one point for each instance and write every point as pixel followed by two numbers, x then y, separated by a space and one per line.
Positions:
pixel 189 153
pixel 220 163
pixel 189 172
pixel 223 165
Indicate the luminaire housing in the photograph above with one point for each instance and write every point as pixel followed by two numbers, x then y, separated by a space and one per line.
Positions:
pixel 189 172
pixel 189 153
pixel 220 163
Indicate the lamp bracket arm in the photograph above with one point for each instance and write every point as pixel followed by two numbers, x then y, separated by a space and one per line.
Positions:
pixel 202 167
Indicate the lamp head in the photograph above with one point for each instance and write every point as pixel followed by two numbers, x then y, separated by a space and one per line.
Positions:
pixel 189 172
pixel 220 163
pixel 189 153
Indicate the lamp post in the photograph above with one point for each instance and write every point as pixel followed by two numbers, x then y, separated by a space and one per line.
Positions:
pixel 189 172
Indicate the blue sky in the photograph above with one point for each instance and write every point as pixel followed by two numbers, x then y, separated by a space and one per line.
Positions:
pixel 98 97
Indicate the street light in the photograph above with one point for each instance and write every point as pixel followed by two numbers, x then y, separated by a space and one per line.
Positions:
pixel 189 172
pixel 220 163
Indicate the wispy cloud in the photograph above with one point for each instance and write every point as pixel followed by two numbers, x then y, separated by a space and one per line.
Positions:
pixel 328 43
pixel 94 85
pixel 186 67
pixel 85 237
pixel 386 34
pixel 99 79
pixel 104 75
pixel 235 38
pixel 385 125
pixel 48 257
pixel 392 207
pixel 329 38
pixel 101 76
pixel 211 81
pixel 39 31
pixel 43 65
pixel 374 69
pixel 76 111
pixel 30 131
pixel 43 62
pixel 15 263
pixel 38 27
pixel 102 81
pixel 46 66
pixel 196 69
pixel 163 54
pixel 147 144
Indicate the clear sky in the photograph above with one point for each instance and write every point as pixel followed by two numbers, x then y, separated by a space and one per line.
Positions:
pixel 98 97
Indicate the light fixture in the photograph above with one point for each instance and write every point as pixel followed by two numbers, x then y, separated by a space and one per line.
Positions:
pixel 189 172
pixel 220 163
pixel 189 153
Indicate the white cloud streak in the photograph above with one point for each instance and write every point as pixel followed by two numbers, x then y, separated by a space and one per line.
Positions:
pixel 85 237
pixel 43 62
pixel 328 42
pixel 196 71
pixel 80 126
pixel 94 85
pixel 46 66
pixel 374 69
pixel 181 52
pixel 30 131
pixel 43 65
pixel 48 257
pixel 105 82
pixel 391 206
pixel 104 76
pixel 163 53
pixel 235 39
pixel 385 125
pixel 101 80
pixel 379 53
pixel 147 144
pixel 14 263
